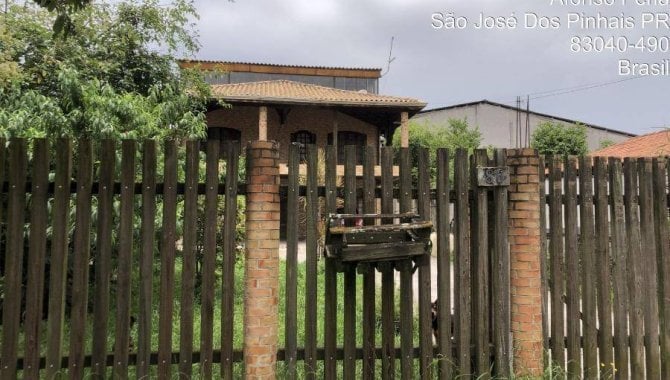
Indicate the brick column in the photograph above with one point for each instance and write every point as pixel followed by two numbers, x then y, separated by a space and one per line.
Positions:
pixel 262 260
pixel 525 276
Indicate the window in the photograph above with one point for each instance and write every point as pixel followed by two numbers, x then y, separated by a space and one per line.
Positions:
pixel 345 138
pixel 303 138
pixel 222 135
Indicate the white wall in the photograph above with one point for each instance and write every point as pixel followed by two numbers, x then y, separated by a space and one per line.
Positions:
pixel 498 124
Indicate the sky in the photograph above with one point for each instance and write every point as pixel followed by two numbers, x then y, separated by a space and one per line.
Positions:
pixel 442 65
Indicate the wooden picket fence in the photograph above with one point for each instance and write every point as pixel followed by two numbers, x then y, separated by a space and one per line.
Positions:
pixel 91 231
pixel 606 268
pixel 478 312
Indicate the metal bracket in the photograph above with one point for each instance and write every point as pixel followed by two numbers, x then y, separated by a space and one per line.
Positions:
pixel 492 176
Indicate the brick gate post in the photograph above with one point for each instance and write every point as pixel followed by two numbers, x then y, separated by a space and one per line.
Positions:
pixel 262 260
pixel 525 276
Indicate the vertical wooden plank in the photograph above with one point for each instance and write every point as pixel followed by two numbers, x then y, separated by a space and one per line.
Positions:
pixel 11 312
pixel 556 262
pixel 603 280
pixel 209 258
pixel 501 279
pixel 36 259
pixel 649 274
pixel 587 253
pixel 330 276
pixel 350 203
pixel 124 260
pixel 663 261
pixel 58 259
pixel 167 259
pixel 443 266
pixel 232 154
pixel 572 269
pixel 386 268
pixel 291 322
pixel 425 336
pixel 310 263
pixel 188 259
pixel 147 230
pixel 103 257
pixel 544 266
pixel 480 263
pixel 405 268
pixel 634 264
pixel 369 299
pixel 81 258
pixel 462 268
pixel 619 248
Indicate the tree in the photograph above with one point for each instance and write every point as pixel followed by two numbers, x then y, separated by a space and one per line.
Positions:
pixel 604 143
pixel 455 134
pixel 116 76
pixel 556 138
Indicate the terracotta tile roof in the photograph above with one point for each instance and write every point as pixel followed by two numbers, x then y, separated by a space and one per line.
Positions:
pixel 649 145
pixel 289 92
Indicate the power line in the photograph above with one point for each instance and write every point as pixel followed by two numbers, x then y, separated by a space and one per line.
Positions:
pixel 568 90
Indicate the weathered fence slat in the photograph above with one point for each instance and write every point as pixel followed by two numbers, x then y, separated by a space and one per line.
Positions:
pixel 386 268
pixel 588 272
pixel 501 279
pixel 11 313
pixel 350 203
pixel 167 252
pixel 232 150
pixel 663 261
pixel 81 254
pixel 310 262
pixel 292 222
pixel 58 259
pixel 444 266
pixel 462 269
pixel 36 260
pixel 369 299
pixel 480 264
pixel 124 260
pixel 209 246
pixel 188 259
pixel 103 258
pixel 649 273
pixel 556 262
pixel 330 275
pixel 572 268
pixel 544 265
pixel 405 269
pixel 423 262
pixel 620 300
pixel 603 281
pixel 147 230
pixel 634 265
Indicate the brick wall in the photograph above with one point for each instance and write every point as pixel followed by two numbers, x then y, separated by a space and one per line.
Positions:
pixel 262 260
pixel 525 278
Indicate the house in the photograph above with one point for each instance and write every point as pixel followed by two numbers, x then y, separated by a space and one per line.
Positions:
pixel 650 145
pixel 506 126
pixel 305 104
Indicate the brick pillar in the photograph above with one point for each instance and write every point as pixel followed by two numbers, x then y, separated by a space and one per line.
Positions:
pixel 525 276
pixel 262 260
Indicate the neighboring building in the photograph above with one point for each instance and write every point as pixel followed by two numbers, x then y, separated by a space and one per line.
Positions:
pixel 650 145
pixel 321 105
pixel 504 126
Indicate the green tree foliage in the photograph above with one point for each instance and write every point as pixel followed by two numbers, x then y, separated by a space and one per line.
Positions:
pixel 604 143
pixel 455 134
pixel 556 138
pixel 114 76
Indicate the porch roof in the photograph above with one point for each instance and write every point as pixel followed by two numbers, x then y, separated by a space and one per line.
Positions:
pixel 284 92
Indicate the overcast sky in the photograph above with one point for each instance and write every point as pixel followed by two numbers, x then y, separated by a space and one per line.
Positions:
pixel 444 67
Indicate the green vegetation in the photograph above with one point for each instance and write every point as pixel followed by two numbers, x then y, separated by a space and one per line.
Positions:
pixel 556 138
pixel 455 134
pixel 604 143
pixel 115 77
